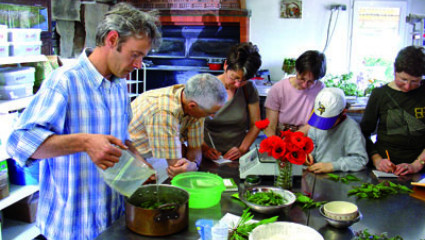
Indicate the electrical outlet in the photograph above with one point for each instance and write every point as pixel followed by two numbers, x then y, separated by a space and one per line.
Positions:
pixel 341 7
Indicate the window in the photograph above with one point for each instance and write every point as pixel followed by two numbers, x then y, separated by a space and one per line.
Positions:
pixel 378 33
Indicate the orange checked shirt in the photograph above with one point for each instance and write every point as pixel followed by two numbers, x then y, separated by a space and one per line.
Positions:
pixel 159 125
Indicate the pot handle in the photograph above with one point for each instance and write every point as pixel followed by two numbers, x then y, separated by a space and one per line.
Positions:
pixel 167 212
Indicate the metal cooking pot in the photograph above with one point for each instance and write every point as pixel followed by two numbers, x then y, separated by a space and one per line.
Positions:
pixel 167 219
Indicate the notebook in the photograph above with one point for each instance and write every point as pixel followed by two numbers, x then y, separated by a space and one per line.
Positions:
pixel 380 174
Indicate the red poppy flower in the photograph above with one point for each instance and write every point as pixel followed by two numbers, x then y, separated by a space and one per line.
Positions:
pixel 296 157
pixel 291 146
pixel 284 134
pixel 309 145
pixel 279 149
pixel 262 124
pixel 267 144
pixel 298 139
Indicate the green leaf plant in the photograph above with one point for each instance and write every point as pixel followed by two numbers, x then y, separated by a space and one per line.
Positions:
pixel 307 202
pixel 380 190
pixel 244 227
pixel 365 235
pixel 346 179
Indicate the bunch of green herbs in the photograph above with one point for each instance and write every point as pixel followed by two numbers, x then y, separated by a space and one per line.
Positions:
pixel 380 190
pixel 365 235
pixel 346 179
pixel 244 227
pixel 307 202
pixel 155 204
pixel 265 198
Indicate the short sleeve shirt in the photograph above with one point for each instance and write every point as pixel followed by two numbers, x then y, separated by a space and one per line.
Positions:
pixel 159 125
pixel 294 106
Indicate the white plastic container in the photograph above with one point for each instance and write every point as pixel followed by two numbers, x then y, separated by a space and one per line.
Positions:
pixel 9 92
pixel 25 48
pixel 24 34
pixel 4 49
pixel 16 75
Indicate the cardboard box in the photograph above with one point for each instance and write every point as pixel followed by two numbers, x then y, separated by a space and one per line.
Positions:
pixel 24 210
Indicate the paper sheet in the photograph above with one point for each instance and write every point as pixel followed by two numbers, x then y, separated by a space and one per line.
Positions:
pixel 381 174
pixel 420 183
pixel 222 161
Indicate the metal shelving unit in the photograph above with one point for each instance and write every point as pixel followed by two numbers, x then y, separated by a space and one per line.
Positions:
pixel 12 229
pixel 22 59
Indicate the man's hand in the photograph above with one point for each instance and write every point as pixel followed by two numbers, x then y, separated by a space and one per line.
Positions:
pixel 321 167
pixel 102 151
pixel 180 166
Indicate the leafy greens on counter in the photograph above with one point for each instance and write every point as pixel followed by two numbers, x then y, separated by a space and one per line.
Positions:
pixel 382 189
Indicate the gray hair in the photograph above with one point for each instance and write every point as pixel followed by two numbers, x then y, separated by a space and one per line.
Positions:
pixel 128 22
pixel 206 90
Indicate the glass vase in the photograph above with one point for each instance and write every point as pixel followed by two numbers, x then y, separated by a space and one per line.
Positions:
pixel 283 178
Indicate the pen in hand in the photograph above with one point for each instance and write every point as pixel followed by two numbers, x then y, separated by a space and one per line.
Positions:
pixel 212 143
pixel 388 157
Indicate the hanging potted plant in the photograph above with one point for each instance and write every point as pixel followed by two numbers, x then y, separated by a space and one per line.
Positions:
pixel 289 65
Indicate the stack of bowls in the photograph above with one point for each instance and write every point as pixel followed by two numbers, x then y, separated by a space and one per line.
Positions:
pixel 341 214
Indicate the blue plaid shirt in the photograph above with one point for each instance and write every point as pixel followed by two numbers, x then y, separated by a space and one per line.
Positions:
pixel 75 202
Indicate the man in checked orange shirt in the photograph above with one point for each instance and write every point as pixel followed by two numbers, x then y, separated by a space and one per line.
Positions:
pixel 165 120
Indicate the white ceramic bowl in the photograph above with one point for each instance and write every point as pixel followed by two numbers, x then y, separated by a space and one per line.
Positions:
pixel 341 210
pixel 340 223
pixel 284 231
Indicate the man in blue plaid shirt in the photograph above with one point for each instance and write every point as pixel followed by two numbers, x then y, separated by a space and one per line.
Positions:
pixel 75 120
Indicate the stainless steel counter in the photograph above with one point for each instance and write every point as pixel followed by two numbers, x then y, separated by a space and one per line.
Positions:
pixel 398 214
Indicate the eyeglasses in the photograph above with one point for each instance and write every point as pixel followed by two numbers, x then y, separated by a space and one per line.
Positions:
pixel 411 82
pixel 303 80
pixel 408 79
pixel 231 78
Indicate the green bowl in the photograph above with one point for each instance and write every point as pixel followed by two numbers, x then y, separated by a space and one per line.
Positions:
pixel 204 188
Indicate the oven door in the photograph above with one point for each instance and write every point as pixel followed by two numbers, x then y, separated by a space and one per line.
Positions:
pixel 210 47
pixel 170 48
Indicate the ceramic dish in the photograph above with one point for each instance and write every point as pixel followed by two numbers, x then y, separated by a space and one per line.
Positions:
pixel 340 223
pixel 289 196
pixel 340 210
pixel 283 231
